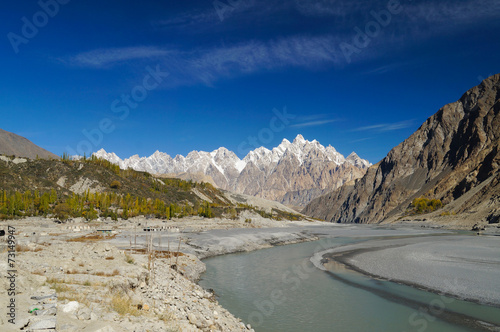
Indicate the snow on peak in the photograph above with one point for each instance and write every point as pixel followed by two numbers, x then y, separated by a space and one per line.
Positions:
pixel 299 139
pixel 353 155
pixel 285 142
pixel 355 160
pixel 227 162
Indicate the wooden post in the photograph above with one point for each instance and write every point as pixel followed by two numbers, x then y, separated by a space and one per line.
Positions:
pixel 135 237
pixel 177 254
pixel 168 250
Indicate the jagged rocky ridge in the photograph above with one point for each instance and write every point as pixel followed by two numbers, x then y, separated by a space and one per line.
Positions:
pixel 454 156
pixel 292 173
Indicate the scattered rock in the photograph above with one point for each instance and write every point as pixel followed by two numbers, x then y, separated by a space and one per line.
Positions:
pixel 70 307
pixel 192 318
pixel 83 314
pixel 478 227
pixel 46 312
pixel 44 324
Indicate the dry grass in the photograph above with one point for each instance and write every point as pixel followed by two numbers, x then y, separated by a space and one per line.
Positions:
pixel 91 238
pixel 73 296
pixel 25 248
pixel 129 259
pixel 158 253
pixel 123 305
pixel 104 274
pixel 22 248
pixel 98 273
pixel 38 272
pixel 166 316
pixel 65 292
pixel 59 286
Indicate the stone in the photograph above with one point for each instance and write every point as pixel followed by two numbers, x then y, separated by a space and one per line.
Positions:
pixel 46 312
pixel 83 314
pixel 192 318
pixel 44 297
pixel 105 329
pixel 44 324
pixel 70 307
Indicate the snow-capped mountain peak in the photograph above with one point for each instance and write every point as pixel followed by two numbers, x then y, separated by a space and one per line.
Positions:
pixel 225 160
pixel 355 160
pixel 228 170
pixel 303 167
pixel 299 139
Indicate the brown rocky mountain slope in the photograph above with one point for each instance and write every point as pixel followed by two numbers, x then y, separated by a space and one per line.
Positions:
pixel 454 156
pixel 12 144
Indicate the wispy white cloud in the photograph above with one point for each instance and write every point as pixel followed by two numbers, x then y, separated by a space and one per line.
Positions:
pixel 384 127
pixel 112 56
pixel 440 11
pixel 330 7
pixel 458 12
pixel 213 15
pixel 210 64
pixel 187 19
pixel 361 139
pixel 251 56
pixel 313 123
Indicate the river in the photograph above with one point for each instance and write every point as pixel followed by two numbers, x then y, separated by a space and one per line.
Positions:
pixel 279 289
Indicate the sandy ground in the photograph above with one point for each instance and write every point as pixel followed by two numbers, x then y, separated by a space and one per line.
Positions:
pixel 466 267
pixel 205 238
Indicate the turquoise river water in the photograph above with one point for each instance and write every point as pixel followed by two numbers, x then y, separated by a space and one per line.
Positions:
pixel 279 289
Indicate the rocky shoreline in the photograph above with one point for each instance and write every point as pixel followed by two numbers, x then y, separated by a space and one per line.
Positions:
pixel 90 277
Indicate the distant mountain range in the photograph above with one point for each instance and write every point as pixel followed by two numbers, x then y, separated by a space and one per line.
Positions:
pixel 454 157
pixel 292 173
pixel 15 145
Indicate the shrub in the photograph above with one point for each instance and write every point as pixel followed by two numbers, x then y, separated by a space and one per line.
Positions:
pixel 62 211
pixel 424 205
pixel 115 184
pixel 129 259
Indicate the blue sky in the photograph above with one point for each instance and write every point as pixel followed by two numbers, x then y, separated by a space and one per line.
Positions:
pixel 135 77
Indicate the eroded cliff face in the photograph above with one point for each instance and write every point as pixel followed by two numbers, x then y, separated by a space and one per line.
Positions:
pixel 454 156
pixel 294 183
